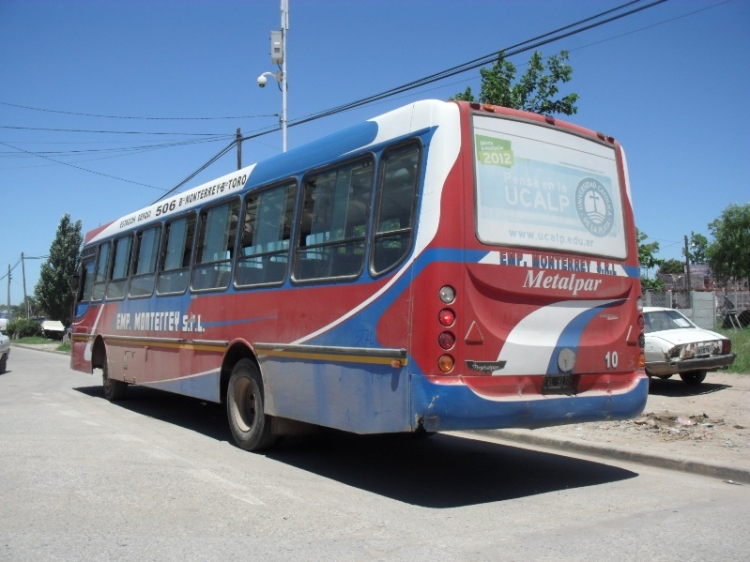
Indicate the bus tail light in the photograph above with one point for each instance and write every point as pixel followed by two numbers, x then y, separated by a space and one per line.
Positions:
pixel 445 363
pixel 641 361
pixel 447 317
pixel 447 294
pixel 446 340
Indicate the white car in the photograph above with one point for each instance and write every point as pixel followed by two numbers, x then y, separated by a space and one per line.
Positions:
pixel 4 352
pixel 674 345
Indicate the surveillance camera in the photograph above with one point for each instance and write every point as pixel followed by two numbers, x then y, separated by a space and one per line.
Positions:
pixel 262 80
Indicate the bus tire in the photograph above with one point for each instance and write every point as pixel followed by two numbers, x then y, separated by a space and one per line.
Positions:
pixel 114 390
pixel 694 378
pixel 251 427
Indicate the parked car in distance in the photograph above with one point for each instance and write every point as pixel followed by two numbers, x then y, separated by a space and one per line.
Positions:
pixel 674 345
pixel 4 352
pixel 53 329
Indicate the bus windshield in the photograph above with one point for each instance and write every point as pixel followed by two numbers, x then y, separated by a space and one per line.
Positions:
pixel 538 187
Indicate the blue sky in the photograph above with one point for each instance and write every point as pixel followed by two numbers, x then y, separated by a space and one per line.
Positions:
pixel 670 83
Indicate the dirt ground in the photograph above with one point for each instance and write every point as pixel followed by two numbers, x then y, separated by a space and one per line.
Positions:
pixel 709 422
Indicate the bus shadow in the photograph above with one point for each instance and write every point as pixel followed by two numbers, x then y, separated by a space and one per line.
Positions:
pixel 675 388
pixel 441 471
pixel 206 418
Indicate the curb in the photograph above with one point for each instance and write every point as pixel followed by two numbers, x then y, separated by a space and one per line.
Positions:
pixel 727 473
pixel 37 348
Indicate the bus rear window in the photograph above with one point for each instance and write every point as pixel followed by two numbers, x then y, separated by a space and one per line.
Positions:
pixel 539 187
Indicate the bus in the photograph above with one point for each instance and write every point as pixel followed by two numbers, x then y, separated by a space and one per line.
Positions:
pixel 443 266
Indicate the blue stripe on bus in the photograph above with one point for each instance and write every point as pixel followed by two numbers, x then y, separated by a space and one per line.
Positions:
pixel 312 155
pixel 204 387
pixel 571 336
pixel 450 407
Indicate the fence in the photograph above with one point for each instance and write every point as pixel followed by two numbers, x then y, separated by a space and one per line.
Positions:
pixel 707 309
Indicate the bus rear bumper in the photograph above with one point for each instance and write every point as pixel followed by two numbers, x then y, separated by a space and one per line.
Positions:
pixel 456 407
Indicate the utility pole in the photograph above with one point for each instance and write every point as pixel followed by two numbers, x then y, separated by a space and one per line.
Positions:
pixel 9 318
pixel 687 272
pixel 23 276
pixel 284 29
pixel 238 138
pixel 278 56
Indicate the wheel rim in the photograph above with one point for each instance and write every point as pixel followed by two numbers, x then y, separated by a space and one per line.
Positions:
pixel 245 411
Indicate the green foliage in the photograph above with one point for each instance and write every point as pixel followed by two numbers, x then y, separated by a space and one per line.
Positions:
pixel 740 347
pixel 534 91
pixel 24 328
pixel 672 266
pixel 729 253
pixel 697 249
pixel 53 292
pixel 647 260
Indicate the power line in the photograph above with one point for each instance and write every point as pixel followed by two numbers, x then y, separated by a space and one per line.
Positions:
pixel 482 61
pixel 475 63
pixel 108 132
pixel 82 169
pixel 81 114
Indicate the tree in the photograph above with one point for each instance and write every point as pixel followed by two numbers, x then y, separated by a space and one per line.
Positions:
pixel 697 249
pixel 647 261
pixel 729 253
pixel 52 292
pixel 672 266
pixel 533 92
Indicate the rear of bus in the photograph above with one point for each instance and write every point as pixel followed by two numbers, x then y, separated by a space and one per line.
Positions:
pixel 527 304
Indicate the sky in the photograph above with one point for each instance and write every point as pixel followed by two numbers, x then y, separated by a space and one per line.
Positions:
pixel 107 104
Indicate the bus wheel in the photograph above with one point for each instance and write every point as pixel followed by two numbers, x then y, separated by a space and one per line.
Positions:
pixel 693 379
pixel 113 390
pixel 251 428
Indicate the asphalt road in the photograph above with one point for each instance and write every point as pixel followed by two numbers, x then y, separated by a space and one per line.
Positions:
pixel 156 477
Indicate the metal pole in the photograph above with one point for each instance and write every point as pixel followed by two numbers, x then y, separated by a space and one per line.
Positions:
pixel 284 29
pixel 238 138
pixel 23 274
pixel 687 271
pixel 8 311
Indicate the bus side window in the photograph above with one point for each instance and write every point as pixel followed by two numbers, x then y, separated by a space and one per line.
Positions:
pixel 100 273
pixel 266 232
pixel 332 236
pixel 394 216
pixel 120 270
pixel 85 283
pixel 144 266
pixel 174 267
pixel 216 239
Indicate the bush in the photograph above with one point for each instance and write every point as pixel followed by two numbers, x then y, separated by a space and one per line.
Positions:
pixel 24 328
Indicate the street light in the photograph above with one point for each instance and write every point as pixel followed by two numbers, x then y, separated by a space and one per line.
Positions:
pixel 278 56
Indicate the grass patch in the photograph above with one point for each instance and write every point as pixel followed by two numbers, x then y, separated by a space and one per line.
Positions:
pixel 740 347
pixel 39 340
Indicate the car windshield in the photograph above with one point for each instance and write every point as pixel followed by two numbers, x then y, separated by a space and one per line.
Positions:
pixel 665 320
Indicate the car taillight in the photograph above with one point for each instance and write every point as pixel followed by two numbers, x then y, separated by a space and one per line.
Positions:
pixel 726 346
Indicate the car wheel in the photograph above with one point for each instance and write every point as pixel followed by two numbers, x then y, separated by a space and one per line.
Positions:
pixel 3 364
pixel 693 379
